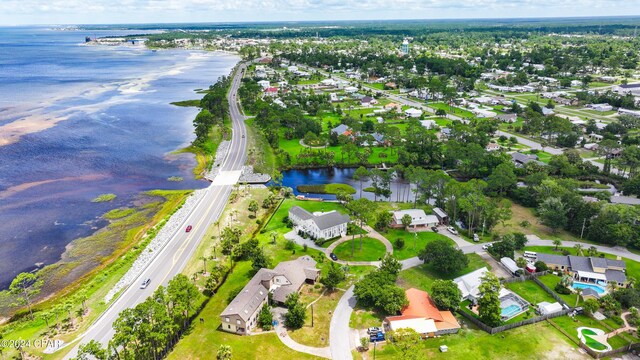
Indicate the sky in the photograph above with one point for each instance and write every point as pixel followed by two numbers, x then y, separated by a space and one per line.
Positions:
pixel 18 12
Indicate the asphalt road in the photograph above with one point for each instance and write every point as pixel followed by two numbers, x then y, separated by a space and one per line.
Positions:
pixel 174 256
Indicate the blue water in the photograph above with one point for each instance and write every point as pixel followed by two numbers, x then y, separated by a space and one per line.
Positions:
pixel 510 310
pixel 599 289
pixel 117 136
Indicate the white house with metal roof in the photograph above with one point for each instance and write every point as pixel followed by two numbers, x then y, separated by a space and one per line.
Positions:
pixel 319 225
pixel 419 219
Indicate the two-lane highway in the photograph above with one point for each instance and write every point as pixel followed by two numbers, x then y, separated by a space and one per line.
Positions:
pixel 174 256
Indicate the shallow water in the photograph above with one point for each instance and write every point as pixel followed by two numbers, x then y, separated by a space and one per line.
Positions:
pixel 98 120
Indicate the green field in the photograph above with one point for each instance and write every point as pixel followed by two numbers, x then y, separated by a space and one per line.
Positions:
pixel 530 291
pixel 413 242
pixel 372 250
pixel 421 277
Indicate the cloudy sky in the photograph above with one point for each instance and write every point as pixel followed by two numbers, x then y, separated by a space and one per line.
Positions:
pixel 13 12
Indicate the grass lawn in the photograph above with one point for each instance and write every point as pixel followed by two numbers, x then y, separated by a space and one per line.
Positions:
pixel 447 108
pixel 204 339
pixel 259 152
pixel 545 157
pixel 520 214
pixel 362 318
pixel 571 325
pixel 413 244
pixel 530 291
pixel 538 341
pixel 379 86
pixel 421 277
pixel 372 250
pixel 551 281
pixel 318 335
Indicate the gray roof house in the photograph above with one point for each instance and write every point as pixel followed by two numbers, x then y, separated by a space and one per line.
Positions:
pixel 510 118
pixel 241 315
pixel 319 226
pixel 589 269
pixel 340 129
pixel 520 159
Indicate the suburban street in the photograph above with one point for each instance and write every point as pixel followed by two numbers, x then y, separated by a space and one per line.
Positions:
pixel 174 256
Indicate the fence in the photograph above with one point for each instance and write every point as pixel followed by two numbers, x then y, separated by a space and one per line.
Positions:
pixel 598 355
pixel 498 329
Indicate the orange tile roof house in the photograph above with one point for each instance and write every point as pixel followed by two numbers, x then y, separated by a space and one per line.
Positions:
pixel 423 316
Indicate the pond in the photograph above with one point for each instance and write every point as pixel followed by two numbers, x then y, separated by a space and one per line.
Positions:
pixel 400 190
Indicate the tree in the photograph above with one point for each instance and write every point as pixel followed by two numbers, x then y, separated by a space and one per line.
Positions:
pixel 590 306
pixel 265 319
pixel 224 352
pixel 390 265
pixel 521 262
pixel 259 260
pixel 406 220
pixel 578 248
pixel 443 257
pixel 364 343
pixel 557 243
pixel 553 213
pixel 335 275
pixel 253 207
pixel 519 240
pixel 502 178
pixel 361 174
pixel 501 249
pixel 91 350
pixel 489 301
pixel 383 220
pixel 446 294
pixel 407 341
pixel 26 286
pixel 297 314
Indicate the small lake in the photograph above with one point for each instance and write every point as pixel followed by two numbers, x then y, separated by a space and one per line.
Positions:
pixel 292 178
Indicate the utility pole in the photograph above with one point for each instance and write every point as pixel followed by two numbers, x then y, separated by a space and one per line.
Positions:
pixel 584 222
pixel 311 315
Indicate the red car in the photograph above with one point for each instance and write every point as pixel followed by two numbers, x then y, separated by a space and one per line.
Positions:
pixel 189 228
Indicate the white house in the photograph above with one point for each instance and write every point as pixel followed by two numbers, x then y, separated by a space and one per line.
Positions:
pixel 546 308
pixel 350 89
pixel 328 82
pixel 414 113
pixel 547 112
pixel 600 107
pixel 429 124
pixel 492 147
pixel 292 68
pixel 321 226
pixel 419 219
pixel 264 83
pixel 469 283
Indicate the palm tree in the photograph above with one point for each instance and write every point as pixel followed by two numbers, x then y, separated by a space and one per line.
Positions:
pixel 45 316
pixel 204 264
pixel 557 243
pixel 217 224
pixel 593 251
pixel 631 281
pixel 612 286
pixel 274 236
pixel 578 248
pixel 578 293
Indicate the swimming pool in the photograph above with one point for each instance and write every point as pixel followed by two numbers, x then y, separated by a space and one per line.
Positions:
pixel 579 285
pixel 510 310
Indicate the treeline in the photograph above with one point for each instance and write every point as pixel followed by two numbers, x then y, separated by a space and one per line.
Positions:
pixel 215 110
pixel 149 329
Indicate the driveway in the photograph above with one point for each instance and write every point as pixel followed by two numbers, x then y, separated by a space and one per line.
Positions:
pixel 281 331
pixel 496 266
pixel 293 235
pixel 340 334
pixel 457 239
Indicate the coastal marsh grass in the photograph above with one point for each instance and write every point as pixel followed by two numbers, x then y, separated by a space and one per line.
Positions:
pixel 130 233
pixel 327 189
pixel 118 213
pixel 188 103
pixel 104 198
pixel 204 153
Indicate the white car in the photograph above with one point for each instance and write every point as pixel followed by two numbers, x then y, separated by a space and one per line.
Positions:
pixel 486 246
pixel 145 283
pixel 452 230
pixel 476 238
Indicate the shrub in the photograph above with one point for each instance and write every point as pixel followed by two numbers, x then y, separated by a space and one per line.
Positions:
pixel 565 252
pixel 304 247
pixel 289 245
pixel 560 289
pixel 399 243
